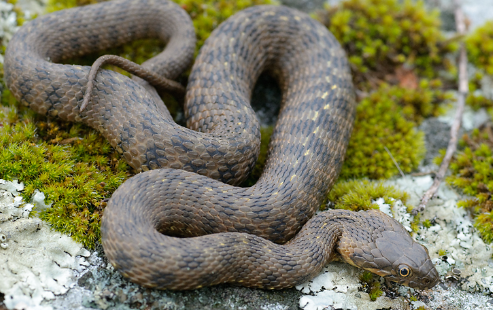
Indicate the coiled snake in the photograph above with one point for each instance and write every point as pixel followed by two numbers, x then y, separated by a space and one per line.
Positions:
pixel 235 235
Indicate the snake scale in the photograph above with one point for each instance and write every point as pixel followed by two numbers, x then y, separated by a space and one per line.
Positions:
pixel 188 225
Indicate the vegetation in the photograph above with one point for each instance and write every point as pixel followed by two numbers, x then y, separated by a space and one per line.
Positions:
pixel 479 45
pixel 395 50
pixel 472 171
pixel 382 35
pixel 371 285
pixel 73 166
pixel 380 124
pixel 358 195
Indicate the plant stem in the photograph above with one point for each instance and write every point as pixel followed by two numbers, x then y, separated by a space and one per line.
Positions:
pixel 461 99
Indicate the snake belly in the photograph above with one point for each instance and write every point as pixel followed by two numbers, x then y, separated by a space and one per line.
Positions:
pixel 236 235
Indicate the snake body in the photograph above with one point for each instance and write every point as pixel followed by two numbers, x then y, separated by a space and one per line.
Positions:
pixel 262 236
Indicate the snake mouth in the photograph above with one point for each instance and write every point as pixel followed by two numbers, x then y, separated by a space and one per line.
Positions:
pixel 424 283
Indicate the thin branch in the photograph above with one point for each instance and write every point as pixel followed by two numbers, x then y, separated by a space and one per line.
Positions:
pixel 395 163
pixel 461 98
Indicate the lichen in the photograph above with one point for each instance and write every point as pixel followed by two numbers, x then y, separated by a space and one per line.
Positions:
pixel 380 35
pixel 359 195
pixel 472 172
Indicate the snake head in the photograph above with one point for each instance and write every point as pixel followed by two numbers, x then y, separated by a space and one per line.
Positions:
pixel 382 245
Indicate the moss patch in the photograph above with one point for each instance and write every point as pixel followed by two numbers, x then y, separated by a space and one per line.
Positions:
pixel 371 285
pixel 380 35
pixel 380 124
pixel 357 195
pixel 472 171
pixel 479 45
pixel 76 169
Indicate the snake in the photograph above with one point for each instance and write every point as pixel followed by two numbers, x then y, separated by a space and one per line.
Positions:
pixel 183 222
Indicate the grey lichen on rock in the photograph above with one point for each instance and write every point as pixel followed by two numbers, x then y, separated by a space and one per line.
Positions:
pixel 36 263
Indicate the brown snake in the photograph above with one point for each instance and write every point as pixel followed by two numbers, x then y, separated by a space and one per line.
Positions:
pixel 236 235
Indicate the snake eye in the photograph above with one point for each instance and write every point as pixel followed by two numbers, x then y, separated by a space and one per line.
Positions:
pixel 404 271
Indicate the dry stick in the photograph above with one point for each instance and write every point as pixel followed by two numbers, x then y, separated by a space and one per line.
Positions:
pixel 461 98
pixel 395 163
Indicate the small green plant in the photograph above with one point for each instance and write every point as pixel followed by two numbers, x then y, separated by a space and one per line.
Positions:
pixel 479 101
pixel 442 252
pixel 427 223
pixel 371 285
pixel 357 195
pixel 415 223
pixel 419 103
pixel 380 124
pixel 380 35
pixel 472 171
pixel 479 45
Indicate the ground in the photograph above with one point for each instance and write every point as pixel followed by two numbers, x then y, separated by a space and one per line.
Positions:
pixel 43 269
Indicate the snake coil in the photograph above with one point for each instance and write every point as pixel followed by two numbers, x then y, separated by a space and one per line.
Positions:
pixel 235 235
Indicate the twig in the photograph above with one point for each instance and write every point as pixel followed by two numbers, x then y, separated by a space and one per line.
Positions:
pixel 420 174
pixel 395 163
pixel 461 98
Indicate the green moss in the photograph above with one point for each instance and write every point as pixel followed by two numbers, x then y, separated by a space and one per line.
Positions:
pixel 380 124
pixel 415 222
pixel 419 103
pixel 479 45
pixel 357 195
pixel 427 223
pixel 371 285
pixel 208 14
pixel 380 35
pixel 75 175
pixel 479 101
pixel 472 172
